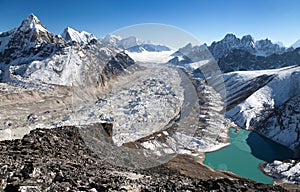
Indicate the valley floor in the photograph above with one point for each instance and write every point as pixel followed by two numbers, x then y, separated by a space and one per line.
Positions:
pixel 158 109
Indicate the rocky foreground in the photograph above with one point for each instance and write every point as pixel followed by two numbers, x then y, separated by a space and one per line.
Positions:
pixel 58 160
pixel 284 171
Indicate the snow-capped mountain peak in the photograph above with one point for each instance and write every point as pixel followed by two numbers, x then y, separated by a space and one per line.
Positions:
pixel 189 46
pixel 248 38
pixel 19 45
pixel 230 41
pixel 229 37
pixel 123 43
pixel 139 50
pixel 112 40
pixel 32 23
pixel 129 42
pixel 71 35
pixel 296 44
pixel 192 56
pixel 33 32
pixel 247 43
pixel 31 54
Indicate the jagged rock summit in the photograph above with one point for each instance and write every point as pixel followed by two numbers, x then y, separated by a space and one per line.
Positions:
pixel 30 39
pixel 32 22
pixel 246 43
pixel 73 36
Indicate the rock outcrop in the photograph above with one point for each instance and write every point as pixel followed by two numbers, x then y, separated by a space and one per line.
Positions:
pixel 58 160
pixel 284 171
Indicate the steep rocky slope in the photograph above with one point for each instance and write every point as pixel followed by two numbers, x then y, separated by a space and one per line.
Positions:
pixel 241 60
pixel 57 159
pixel 282 123
pixel 30 41
pixel 265 101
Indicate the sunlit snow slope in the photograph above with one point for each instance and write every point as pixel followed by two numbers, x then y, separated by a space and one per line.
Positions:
pixel 254 97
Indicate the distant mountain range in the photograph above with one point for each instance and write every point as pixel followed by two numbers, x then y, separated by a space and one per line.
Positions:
pixel 231 53
pixel 234 54
pixel 246 43
pixel 33 42
pixel 133 44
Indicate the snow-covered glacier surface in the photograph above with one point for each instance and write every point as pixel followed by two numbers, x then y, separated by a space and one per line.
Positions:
pixel 150 102
pixel 139 104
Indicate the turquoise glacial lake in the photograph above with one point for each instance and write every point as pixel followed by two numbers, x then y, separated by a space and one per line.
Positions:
pixel 246 152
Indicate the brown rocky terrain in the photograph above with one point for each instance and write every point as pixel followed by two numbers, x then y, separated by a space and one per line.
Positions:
pixel 58 160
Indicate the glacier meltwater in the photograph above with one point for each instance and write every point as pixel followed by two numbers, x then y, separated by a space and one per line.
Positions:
pixel 246 152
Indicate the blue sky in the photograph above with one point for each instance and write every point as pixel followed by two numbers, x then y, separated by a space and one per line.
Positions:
pixel 207 20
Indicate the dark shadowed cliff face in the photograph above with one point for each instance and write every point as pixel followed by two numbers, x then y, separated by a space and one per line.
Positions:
pixel 58 160
pixel 241 60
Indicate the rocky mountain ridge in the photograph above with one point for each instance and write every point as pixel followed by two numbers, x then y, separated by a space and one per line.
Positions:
pixel 241 60
pixel 31 40
pixel 31 53
pixel 234 54
pixel 73 36
pixel 246 43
